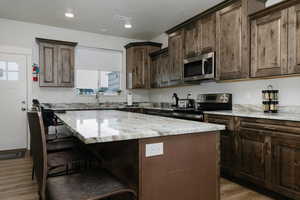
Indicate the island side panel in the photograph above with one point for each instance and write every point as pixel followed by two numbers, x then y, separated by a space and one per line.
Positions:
pixel 188 168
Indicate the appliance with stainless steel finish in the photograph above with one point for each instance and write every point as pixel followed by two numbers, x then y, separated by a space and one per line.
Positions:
pixel 199 68
pixel 212 102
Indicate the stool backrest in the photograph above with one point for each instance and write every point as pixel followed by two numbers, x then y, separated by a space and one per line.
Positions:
pixel 39 150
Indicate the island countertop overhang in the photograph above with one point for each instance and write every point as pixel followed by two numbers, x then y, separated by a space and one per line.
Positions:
pixel 99 126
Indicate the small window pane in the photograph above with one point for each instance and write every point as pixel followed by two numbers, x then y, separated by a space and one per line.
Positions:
pixel 2 74
pixel 109 82
pixel 2 65
pixel 13 76
pixel 12 66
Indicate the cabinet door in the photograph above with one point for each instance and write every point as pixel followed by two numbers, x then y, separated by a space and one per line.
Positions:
pixel 48 65
pixel 65 66
pixel 269 45
pixel 164 70
pixel 154 72
pixel 207 34
pixel 253 155
pixel 228 144
pixel 129 68
pixel 230 43
pixel 139 65
pixel 176 56
pixel 286 164
pixel 294 40
pixel 190 40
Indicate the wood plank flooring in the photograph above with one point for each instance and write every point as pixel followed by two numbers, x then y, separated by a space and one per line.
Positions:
pixel 16 184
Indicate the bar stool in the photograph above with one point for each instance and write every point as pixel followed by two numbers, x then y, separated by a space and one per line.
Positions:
pixel 93 184
pixel 60 162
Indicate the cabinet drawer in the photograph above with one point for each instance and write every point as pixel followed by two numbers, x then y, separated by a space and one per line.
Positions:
pixel 271 125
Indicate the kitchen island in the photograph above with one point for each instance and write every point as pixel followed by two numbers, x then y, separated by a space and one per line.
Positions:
pixel 161 158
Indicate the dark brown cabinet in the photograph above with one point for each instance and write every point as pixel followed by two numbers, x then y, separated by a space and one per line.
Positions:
pixel 176 57
pixel 294 40
pixel 269 45
pixel 138 64
pixel 56 63
pixel 191 40
pixel 275 41
pixel 207 33
pixel 252 155
pixel 286 164
pixel 233 39
pixel 228 142
pixel 160 69
pixel 261 151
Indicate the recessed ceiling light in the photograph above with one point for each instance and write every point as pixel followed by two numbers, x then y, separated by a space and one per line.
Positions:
pixel 69 15
pixel 127 25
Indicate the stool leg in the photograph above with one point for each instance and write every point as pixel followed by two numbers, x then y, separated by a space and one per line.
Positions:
pixel 32 173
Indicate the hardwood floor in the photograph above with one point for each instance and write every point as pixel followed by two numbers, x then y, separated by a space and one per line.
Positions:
pixel 16 184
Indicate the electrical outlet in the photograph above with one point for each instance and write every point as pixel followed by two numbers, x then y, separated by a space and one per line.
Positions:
pixel 155 149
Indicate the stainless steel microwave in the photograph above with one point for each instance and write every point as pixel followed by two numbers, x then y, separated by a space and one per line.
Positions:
pixel 199 68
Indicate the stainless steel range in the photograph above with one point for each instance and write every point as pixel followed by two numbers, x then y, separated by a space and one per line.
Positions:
pixel 204 102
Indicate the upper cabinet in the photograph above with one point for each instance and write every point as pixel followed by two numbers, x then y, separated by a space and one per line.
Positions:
pixel 138 64
pixel 207 33
pixel 191 40
pixel 294 40
pixel 56 63
pixel 176 56
pixel 275 41
pixel 160 69
pixel 233 39
pixel 269 45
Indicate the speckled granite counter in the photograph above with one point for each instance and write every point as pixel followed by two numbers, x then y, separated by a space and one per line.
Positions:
pixel 274 116
pixel 111 125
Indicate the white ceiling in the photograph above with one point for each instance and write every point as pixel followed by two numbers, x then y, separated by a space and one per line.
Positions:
pixel 149 17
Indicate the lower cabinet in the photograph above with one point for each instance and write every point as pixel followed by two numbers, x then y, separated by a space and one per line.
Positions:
pixel 286 164
pixel 228 142
pixel 252 155
pixel 263 152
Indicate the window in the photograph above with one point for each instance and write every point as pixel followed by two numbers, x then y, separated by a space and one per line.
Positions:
pixel 88 82
pixel 9 71
pixel 98 70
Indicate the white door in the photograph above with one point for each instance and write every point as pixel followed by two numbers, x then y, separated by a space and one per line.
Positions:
pixel 13 105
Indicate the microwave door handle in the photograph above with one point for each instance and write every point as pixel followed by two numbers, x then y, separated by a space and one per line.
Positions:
pixel 203 64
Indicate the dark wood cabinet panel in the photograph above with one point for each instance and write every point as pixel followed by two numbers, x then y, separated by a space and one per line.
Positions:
pixel 176 57
pixel 160 70
pixel 286 164
pixel 269 45
pixel 230 43
pixel 252 161
pixel 228 143
pixel 138 63
pixel 164 69
pixel 191 40
pixel 56 63
pixel 48 64
pixel 207 34
pixel 65 66
pixel 294 40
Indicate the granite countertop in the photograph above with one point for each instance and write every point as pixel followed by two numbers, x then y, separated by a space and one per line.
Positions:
pixel 95 106
pixel 112 125
pixel 274 116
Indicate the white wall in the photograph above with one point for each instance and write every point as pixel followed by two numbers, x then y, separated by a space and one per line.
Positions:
pixel 20 34
pixel 246 92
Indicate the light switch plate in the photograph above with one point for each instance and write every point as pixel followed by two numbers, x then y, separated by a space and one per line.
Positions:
pixel 155 149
